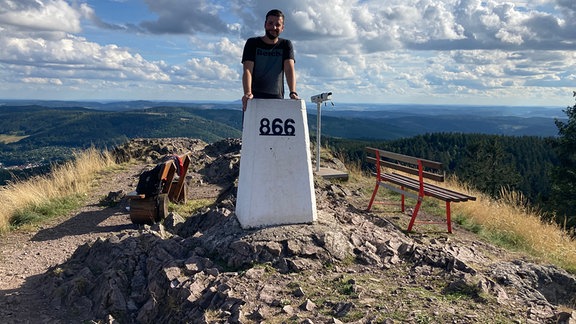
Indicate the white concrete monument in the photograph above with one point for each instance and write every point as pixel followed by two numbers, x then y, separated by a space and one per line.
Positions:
pixel 276 185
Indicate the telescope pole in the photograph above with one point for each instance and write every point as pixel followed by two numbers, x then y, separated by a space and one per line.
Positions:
pixel 318 126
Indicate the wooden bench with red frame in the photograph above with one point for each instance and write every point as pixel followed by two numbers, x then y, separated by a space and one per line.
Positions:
pixel 409 186
pixel 150 209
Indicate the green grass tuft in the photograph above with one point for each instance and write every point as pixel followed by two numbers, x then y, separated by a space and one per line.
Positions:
pixel 39 213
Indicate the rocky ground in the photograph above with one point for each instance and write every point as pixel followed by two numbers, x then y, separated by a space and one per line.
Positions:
pixel 350 266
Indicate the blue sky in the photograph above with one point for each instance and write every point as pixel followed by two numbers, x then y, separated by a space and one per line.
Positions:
pixel 519 52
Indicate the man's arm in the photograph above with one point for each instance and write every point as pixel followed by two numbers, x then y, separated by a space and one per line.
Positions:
pixel 248 67
pixel 290 72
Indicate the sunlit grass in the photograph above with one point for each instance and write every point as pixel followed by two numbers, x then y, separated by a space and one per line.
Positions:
pixel 47 195
pixel 38 213
pixel 191 206
pixel 509 222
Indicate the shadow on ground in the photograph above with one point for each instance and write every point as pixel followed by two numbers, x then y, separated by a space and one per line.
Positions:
pixel 98 220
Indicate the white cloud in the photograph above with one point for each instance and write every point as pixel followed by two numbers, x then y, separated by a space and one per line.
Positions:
pixel 76 58
pixel 48 15
pixel 185 17
pixel 315 19
pixel 206 70
pixel 42 81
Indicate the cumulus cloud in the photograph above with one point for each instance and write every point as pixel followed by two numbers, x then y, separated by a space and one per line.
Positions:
pixel 209 70
pixel 32 15
pixel 185 17
pixel 42 81
pixel 75 58
pixel 38 45
pixel 466 46
pixel 434 25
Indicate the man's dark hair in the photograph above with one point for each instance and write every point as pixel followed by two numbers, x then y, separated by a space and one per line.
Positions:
pixel 276 13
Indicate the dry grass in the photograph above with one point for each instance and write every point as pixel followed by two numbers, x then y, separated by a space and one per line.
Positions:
pixel 511 223
pixel 72 178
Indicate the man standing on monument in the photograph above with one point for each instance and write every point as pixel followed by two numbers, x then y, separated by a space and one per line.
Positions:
pixel 265 61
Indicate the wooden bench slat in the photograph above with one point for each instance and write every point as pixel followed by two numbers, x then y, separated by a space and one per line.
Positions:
pixel 428 189
pixel 406 158
pixel 433 190
pixel 407 169
pixel 443 192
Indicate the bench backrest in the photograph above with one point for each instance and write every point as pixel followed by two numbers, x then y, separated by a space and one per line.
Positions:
pixel 178 193
pixel 412 165
pixel 167 174
pixel 169 171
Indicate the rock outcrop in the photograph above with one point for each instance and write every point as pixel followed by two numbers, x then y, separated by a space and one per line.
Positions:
pixel 350 266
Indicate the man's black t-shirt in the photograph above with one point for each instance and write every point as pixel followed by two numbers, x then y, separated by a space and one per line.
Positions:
pixel 268 73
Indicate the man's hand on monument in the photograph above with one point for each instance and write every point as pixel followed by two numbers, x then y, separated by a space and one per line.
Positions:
pixel 245 99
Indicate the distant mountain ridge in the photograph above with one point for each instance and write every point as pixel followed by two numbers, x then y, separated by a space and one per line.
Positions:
pixel 33 129
pixel 112 105
pixel 363 110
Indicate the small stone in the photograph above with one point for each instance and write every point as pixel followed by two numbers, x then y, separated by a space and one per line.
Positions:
pixel 342 308
pixel 212 272
pixel 298 292
pixel 259 314
pixel 254 273
pixel 289 310
pixel 308 305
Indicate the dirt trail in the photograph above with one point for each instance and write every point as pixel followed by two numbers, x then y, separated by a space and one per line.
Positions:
pixel 26 255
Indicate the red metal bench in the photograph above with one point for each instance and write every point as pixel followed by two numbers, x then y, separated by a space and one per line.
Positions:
pixel 406 186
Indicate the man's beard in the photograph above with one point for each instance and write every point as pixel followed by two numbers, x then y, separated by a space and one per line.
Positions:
pixel 271 36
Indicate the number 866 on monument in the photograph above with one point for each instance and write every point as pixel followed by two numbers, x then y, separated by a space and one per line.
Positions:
pixel 277 127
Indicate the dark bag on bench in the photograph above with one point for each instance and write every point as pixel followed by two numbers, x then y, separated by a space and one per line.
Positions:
pixel 149 182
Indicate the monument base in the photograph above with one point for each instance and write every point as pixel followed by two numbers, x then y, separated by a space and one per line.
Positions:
pixel 275 185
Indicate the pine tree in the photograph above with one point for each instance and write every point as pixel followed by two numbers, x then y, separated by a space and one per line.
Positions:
pixel 564 175
pixel 490 168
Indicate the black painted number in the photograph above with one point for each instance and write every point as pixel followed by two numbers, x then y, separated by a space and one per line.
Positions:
pixel 277 127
